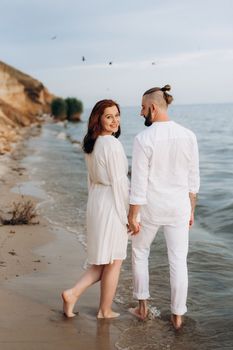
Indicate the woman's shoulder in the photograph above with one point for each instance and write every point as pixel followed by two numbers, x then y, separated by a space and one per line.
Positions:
pixel 110 141
pixel 109 145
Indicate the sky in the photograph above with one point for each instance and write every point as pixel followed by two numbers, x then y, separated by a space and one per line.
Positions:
pixel 185 43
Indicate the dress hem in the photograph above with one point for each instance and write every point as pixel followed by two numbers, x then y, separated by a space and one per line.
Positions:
pixel 106 262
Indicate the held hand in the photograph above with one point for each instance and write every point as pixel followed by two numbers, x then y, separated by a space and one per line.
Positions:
pixel 191 220
pixel 133 227
pixel 134 219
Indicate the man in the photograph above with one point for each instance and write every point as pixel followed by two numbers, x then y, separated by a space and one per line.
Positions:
pixel 164 186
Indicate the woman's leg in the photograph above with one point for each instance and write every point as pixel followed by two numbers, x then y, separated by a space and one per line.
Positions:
pixel 70 296
pixel 109 281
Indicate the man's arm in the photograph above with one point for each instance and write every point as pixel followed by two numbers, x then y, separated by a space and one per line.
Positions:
pixel 139 182
pixel 193 201
pixel 194 178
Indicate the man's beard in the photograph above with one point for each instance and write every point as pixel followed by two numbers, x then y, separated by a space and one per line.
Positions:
pixel 148 121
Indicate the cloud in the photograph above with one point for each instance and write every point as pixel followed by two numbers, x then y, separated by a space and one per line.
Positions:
pixel 189 41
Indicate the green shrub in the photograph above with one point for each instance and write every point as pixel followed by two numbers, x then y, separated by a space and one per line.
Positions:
pixel 59 108
pixel 74 108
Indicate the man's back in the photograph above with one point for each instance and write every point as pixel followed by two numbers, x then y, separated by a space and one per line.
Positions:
pixel 166 158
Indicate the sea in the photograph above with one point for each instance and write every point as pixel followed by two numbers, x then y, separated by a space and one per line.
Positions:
pixel 57 166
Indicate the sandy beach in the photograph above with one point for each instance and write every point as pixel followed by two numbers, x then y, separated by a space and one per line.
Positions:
pixel 36 263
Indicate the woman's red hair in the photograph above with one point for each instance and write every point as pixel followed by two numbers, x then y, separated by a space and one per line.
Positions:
pixel 94 128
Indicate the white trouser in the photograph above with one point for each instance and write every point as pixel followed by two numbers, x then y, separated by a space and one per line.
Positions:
pixel 176 236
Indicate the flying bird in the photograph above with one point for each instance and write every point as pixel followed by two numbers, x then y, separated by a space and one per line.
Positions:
pixel 54 37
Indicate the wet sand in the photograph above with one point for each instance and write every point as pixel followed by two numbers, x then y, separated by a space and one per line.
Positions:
pixel 36 263
pixel 39 261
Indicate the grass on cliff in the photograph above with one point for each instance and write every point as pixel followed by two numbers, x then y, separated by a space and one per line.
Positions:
pixel 22 213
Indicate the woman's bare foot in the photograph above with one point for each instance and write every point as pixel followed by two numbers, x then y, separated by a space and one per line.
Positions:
pixel 69 300
pixel 176 321
pixel 108 314
pixel 137 312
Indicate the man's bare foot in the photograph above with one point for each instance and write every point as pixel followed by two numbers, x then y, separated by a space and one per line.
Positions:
pixel 137 312
pixel 69 300
pixel 176 321
pixel 109 314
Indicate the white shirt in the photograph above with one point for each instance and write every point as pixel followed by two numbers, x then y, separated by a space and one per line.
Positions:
pixel 165 168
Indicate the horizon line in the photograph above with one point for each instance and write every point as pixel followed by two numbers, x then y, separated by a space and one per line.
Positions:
pixel 177 105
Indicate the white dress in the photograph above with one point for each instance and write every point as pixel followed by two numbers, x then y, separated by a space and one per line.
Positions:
pixel 108 201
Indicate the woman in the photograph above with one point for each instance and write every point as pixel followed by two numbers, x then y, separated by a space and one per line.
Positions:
pixel 107 208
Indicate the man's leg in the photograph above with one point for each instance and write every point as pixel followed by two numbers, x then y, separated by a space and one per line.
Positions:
pixel 177 237
pixel 140 253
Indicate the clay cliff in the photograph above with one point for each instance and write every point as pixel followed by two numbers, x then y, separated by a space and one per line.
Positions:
pixel 22 100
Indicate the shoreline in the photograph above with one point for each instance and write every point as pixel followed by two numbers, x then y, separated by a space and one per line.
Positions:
pixel 37 262
pixel 50 257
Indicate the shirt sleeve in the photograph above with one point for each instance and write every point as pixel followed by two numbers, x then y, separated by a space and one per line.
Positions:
pixel 117 170
pixel 139 178
pixel 194 176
